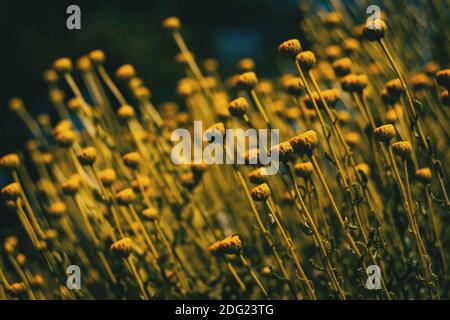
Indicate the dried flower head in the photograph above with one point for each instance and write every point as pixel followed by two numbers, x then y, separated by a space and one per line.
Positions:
pixel 72 185
pixel 290 48
pixel 132 160
pixel 65 138
pixel 238 107
pixel 424 175
pixel 107 177
pixel 11 191
pixel 10 161
pixel 231 245
pixel 333 52
pixel 16 104
pixel 394 88
pixel 374 30
pixel 246 81
pixel 443 78
pixel 97 56
pixel 125 72
pixel 87 156
pixel 342 66
pixel 421 82
pixel 305 143
pixel 304 170
pixel 57 209
pixel 256 177
pixel 217 129
pixel 125 197
pixel 293 86
pixel 350 45
pixel 63 65
pixel 171 23
pixel 384 133
pixel 354 82
pixel 126 112
pixel 245 65
pixel 403 149
pixel 50 76
pixel 150 214
pixel 353 139
pixel 122 247
pixel 17 288
pixel 282 151
pixel 83 63
pixel 261 192
pixel 306 60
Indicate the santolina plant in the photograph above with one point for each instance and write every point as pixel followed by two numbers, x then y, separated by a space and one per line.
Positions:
pixel 246 187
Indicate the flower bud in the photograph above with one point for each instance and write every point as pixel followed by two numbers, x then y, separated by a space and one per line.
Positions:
pixel 10 161
pixel 306 60
pixel 305 143
pixel 290 48
pixel 374 30
pixel 260 193
pixel 304 170
pixel 238 107
pixel 424 175
pixel 171 23
pixel 246 81
pixel 384 133
pixel 63 65
pixel 87 156
pixel 403 149
pixel 132 160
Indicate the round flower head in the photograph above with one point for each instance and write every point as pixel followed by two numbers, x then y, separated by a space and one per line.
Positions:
pixel 65 138
pixel 363 168
pixel 125 197
pixel 126 112
pixel 403 149
pixel 122 247
pixel 37 282
pixel 57 209
pixel 421 82
pixel 97 56
pixel 246 81
pixel 354 82
pixel 171 23
pixel 50 76
pixel 332 19
pixel 135 82
pixel 290 48
pixel 56 96
pixel 424 175
pixel 384 133
pixel 231 245
pixel 304 170
pixel 210 65
pixel 71 186
pixel 150 214
pixel 238 107
pixel 331 96
pixel 443 78
pixel 293 86
pixel 305 143
pixel 350 45
pixel 83 63
pixel 394 88
pixel 343 116
pixel 306 60
pixel 141 181
pixel 63 65
pixel 352 139
pixel 142 93
pixel 264 87
pixel 391 116
pixel 125 72
pixel 10 244
pixel 217 129
pixel 107 177
pixel 87 156
pixel 431 68
pixel 256 177
pixel 245 65
pixel 260 193
pixel 17 288
pixel 11 191
pixel 333 52
pixel 132 159
pixel 16 104
pixel 282 151
pixel 10 161
pixel 63 125
pixel 374 30
pixel 445 99
pixel 342 66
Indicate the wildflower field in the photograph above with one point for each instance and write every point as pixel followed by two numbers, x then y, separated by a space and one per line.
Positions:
pixel 358 209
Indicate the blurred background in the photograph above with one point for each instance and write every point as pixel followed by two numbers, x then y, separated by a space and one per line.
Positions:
pixel 34 34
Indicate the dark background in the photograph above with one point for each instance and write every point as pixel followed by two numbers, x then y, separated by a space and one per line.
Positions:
pixel 34 33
